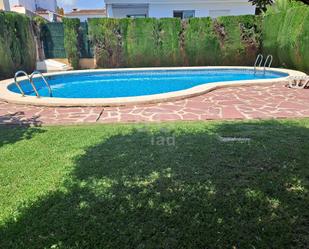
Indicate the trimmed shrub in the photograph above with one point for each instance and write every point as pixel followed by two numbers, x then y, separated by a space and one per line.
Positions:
pixel 286 36
pixel 201 44
pixel 239 37
pixel 288 39
pixel 106 37
pixel 71 40
pixel 303 45
pixel 271 29
pixel 169 43
pixel 172 42
pixel 17 45
pixel 142 42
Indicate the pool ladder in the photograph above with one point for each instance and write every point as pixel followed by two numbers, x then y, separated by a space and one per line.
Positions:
pixel 30 78
pixel 259 61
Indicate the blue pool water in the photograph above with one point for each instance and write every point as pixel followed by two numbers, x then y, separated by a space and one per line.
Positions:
pixel 135 83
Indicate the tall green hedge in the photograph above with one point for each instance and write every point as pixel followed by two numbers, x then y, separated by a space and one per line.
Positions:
pixel 71 40
pixel 271 30
pixel 201 43
pixel 17 45
pixel 142 42
pixel 304 45
pixel 286 36
pixel 106 36
pixel 172 42
pixel 169 45
pixel 240 41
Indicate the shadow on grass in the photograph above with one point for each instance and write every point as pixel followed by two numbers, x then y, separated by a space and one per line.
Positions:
pixel 129 192
pixel 15 127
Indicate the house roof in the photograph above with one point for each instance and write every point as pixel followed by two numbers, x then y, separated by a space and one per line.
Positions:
pixel 40 10
pixel 78 12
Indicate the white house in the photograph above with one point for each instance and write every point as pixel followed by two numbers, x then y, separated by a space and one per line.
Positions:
pixel 44 8
pixel 177 8
pixel 84 14
pixel 4 5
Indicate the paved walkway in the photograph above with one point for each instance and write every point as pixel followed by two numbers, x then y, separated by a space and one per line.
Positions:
pixel 254 102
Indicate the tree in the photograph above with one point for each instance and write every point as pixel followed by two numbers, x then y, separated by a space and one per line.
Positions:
pixel 261 5
pixel 60 11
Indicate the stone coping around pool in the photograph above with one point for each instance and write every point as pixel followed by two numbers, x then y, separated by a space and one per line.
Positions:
pixel 11 97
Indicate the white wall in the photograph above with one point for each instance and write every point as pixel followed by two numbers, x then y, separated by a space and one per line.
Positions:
pixel 31 4
pixel 28 4
pixel 123 11
pixel 201 9
pixel 165 8
pixel 47 4
pixel 4 5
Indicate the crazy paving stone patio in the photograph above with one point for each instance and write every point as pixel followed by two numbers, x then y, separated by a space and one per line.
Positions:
pixel 252 102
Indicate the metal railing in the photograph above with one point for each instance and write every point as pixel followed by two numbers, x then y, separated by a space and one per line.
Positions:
pixel 17 74
pixel 258 62
pixel 268 62
pixel 45 81
pixel 18 85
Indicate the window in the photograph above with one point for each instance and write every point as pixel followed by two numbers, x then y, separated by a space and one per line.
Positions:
pixel 136 16
pixel 184 14
pixel 217 13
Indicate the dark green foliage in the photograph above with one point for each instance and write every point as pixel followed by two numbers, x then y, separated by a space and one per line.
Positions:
pixel 239 39
pixel 261 4
pixel 71 40
pixel 201 44
pixel 84 43
pixel 17 46
pixel 285 35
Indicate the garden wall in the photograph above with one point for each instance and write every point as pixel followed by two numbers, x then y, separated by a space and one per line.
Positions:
pixel 17 45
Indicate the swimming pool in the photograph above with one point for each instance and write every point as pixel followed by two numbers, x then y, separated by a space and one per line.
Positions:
pixel 135 83
pixel 122 86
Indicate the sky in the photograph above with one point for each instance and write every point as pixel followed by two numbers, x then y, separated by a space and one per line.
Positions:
pixel 81 4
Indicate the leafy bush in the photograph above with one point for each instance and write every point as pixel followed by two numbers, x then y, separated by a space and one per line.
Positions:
pixel 239 39
pixel 71 40
pixel 271 29
pixel 142 42
pixel 201 43
pixel 172 42
pixel 105 35
pixel 17 45
pixel 288 39
pixel 286 36
pixel 169 42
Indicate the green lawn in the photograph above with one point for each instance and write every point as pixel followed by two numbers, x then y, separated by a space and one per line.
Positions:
pixel 113 186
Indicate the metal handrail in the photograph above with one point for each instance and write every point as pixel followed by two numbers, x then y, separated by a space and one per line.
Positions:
pixel 45 81
pixel 258 62
pixel 269 58
pixel 19 87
